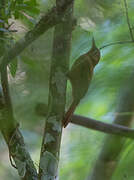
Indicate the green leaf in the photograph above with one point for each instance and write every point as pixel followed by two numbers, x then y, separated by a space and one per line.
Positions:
pixel 13 67
pixel 16 14
pixel 30 62
pixel 32 10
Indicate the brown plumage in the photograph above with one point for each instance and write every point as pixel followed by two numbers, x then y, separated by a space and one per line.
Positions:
pixel 80 77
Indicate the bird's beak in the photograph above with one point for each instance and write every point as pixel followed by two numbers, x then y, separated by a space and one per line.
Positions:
pixel 93 43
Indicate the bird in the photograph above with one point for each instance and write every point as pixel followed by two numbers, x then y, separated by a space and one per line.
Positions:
pixel 80 77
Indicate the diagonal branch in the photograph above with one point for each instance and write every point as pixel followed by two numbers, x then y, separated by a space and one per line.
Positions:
pixel 18 152
pixel 12 135
pixel 113 145
pixel 46 22
pixel 103 127
pixel 9 127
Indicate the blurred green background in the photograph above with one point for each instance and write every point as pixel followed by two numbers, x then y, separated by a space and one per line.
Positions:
pixel 105 20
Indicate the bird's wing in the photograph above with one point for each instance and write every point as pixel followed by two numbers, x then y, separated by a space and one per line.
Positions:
pixel 79 61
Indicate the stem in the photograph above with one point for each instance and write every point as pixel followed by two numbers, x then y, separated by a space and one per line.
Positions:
pixel 109 155
pixel 128 21
pixel 130 30
pixel 116 43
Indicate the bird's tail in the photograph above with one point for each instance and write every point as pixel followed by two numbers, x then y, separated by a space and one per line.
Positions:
pixel 69 113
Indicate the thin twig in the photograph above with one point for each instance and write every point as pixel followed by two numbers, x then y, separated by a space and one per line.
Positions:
pixel 116 43
pixel 128 22
pixel 130 30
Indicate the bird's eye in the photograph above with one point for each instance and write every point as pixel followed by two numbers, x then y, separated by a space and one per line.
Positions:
pixel 96 55
pixel 95 52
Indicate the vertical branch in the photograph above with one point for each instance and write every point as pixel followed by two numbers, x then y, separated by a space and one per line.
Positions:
pixel 10 122
pixel 12 135
pixel 8 125
pixel 128 22
pixel 108 157
pixel 49 158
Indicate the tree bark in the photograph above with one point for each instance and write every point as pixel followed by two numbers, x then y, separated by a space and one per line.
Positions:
pixel 114 129
pixel 49 158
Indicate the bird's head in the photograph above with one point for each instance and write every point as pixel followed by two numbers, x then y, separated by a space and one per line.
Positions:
pixel 94 53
